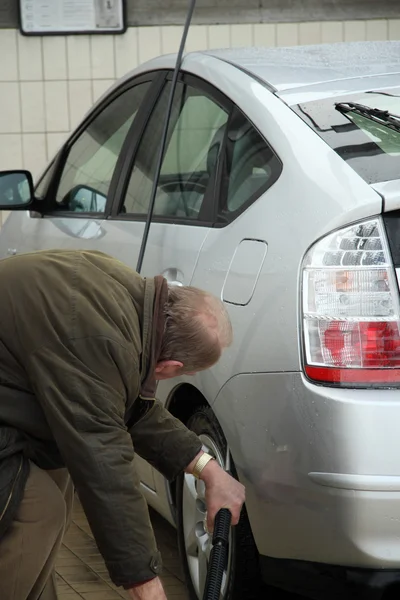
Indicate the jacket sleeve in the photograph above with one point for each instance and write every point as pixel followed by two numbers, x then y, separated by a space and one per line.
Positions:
pixel 82 390
pixel 163 440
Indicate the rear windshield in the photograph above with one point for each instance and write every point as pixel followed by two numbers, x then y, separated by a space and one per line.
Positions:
pixel 371 149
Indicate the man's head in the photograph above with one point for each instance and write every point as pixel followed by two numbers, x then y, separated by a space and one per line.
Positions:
pixel 197 329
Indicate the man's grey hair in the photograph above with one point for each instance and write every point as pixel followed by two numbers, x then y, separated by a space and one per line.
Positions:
pixel 197 328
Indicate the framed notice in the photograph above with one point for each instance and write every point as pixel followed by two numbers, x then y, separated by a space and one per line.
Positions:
pixel 61 17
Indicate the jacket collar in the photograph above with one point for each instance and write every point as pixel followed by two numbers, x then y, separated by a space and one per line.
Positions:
pixel 155 299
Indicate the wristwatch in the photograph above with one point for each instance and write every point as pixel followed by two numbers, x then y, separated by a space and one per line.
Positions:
pixel 201 463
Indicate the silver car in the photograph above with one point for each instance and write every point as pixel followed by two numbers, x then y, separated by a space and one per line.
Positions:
pixel 279 192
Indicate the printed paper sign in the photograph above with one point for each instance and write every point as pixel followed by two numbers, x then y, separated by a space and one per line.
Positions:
pixel 71 16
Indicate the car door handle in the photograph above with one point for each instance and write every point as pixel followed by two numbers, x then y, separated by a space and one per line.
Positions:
pixel 176 283
pixel 173 277
pixel 12 251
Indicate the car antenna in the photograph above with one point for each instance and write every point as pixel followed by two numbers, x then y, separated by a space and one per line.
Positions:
pixel 164 135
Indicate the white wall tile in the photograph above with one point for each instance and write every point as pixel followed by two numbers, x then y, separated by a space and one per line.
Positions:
pixel 8 48
pixel 394 29
pixel 80 100
pixel 10 116
pixel 149 43
pixel 241 35
pixel 56 103
pixel 78 57
pixel 55 57
pixel 3 216
pixel 30 59
pixel 170 39
pixel 126 51
pixel 10 151
pixel 32 105
pixel 219 36
pixel 34 152
pixel 332 32
pixel 197 38
pixel 54 141
pixel 102 56
pixel 354 31
pixel 309 33
pixel 377 30
pixel 287 34
pixel 100 86
pixel 264 34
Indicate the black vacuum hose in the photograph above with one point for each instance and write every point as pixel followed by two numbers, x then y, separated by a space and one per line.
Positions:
pixel 219 555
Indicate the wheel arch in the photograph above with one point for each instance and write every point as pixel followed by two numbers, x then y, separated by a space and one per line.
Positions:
pixel 183 401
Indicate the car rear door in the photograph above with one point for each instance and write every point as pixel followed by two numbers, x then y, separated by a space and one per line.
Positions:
pixel 183 210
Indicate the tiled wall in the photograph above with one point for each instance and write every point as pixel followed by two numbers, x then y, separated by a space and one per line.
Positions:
pixel 47 84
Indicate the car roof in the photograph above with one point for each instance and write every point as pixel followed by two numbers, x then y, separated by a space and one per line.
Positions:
pixel 301 73
pixel 323 69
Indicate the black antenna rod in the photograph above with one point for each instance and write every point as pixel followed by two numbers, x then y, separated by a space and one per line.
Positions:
pixel 164 136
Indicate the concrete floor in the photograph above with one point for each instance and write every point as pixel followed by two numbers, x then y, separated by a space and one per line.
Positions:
pixel 81 572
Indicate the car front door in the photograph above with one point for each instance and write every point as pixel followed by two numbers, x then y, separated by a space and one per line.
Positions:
pixel 76 193
pixel 78 189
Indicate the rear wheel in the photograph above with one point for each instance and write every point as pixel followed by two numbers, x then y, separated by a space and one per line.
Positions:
pixel 242 577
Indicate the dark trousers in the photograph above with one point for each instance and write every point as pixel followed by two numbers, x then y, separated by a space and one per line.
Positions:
pixel 28 551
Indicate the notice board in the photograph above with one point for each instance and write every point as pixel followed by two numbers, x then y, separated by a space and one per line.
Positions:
pixel 62 17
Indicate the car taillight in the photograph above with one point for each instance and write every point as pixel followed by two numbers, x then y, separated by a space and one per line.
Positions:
pixel 351 313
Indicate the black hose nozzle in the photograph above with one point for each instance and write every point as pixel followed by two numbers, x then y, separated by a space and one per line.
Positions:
pixel 219 555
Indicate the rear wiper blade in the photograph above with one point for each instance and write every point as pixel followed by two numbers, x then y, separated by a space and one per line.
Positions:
pixel 379 116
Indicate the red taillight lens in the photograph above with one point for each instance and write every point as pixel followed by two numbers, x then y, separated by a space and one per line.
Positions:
pixel 375 344
pixel 347 377
pixel 380 344
pixel 351 308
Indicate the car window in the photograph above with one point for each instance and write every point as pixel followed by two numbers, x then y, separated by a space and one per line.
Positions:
pixel 196 131
pixel 91 160
pixel 45 180
pixel 250 167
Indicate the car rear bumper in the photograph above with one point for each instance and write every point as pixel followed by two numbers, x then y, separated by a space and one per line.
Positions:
pixel 328 582
pixel 321 467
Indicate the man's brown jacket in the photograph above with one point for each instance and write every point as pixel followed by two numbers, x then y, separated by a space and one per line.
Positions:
pixel 79 338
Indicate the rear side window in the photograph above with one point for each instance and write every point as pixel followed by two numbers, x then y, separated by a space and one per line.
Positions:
pixel 371 149
pixel 196 132
pixel 250 167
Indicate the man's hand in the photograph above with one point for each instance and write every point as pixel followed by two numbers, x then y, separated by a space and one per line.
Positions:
pixel 222 491
pixel 151 590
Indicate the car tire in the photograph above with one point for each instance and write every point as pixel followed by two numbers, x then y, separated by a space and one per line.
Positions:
pixel 242 578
